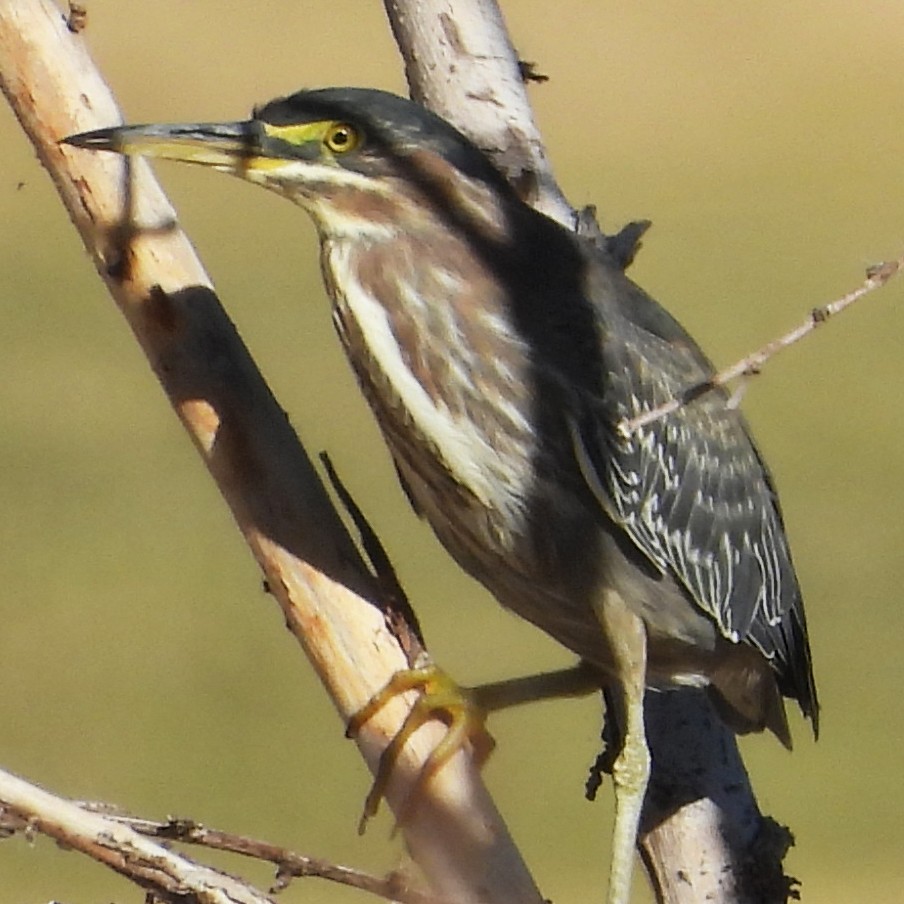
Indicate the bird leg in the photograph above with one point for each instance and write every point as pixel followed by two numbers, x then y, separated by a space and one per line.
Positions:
pixel 627 638
pixel 464 710
pixel 576 681
pixel 441 698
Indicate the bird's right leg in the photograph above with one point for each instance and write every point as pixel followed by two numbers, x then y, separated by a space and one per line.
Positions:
pixel 626 638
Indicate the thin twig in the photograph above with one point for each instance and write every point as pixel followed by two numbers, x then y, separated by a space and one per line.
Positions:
pixel 290 864
pixel 401 619
pixel 27 820
pixel 170 877
pixel 876 277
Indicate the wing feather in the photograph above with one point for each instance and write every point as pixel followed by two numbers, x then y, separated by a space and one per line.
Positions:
pixel 691 489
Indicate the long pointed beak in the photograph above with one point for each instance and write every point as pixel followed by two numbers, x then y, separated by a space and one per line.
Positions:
pixel 226 145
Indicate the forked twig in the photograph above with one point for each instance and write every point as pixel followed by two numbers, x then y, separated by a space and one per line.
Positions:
pixel 749 366
pixel 289 864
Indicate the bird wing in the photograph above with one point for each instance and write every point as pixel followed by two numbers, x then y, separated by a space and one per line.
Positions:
pixel 690 489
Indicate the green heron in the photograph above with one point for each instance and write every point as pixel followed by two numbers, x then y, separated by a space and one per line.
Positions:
pixel 500 353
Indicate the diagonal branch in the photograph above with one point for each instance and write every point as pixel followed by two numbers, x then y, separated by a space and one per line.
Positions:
pixel 311 566
pixel 701 818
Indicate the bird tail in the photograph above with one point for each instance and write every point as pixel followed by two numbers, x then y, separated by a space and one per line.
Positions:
pixel 747 697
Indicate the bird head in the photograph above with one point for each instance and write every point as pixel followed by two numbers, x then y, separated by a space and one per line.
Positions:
pixel 354 158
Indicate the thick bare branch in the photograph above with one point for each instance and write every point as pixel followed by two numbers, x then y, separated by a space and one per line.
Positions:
pixel 312 568
pixel 702 819
pixel 459 61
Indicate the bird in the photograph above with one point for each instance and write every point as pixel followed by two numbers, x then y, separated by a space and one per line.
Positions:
pixel 501 355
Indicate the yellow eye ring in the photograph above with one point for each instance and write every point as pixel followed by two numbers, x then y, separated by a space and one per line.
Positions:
pixel 342 138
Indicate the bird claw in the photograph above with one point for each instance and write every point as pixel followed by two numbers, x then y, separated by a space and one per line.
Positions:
pixel 441 698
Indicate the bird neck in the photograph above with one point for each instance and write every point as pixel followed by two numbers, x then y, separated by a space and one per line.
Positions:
pixel 424 325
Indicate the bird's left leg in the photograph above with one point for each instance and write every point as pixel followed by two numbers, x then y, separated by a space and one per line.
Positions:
pixel 464 710
pixel 441 698
pixel 626 637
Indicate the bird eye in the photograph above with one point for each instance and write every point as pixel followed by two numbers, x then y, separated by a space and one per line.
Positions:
pixel 342 138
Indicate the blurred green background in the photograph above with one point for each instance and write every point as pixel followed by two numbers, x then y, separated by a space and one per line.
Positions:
pixel 140 662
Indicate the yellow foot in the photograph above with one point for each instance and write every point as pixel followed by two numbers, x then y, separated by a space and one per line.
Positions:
pixel 441 698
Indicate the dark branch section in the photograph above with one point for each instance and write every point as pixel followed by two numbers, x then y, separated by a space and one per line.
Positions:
pixel 401 619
